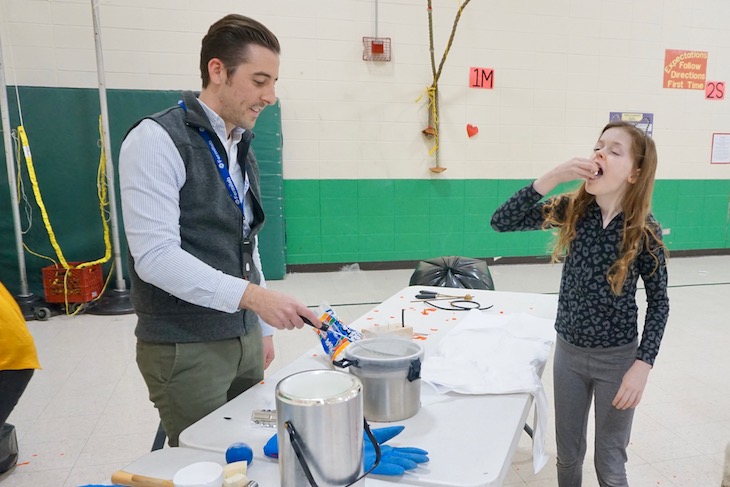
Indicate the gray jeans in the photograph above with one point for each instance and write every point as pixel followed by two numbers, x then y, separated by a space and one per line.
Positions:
pixel 580 375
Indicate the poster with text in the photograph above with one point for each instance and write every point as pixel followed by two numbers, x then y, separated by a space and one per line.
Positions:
pixel 720 148
pixel 642 121
pixel 685 70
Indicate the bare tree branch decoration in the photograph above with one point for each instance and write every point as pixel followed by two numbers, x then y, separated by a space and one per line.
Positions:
pixel 432 131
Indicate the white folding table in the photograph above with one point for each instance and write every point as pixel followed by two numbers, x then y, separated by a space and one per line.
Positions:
pixel 470 438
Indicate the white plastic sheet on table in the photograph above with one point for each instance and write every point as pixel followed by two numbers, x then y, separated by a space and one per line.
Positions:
pixel 504 354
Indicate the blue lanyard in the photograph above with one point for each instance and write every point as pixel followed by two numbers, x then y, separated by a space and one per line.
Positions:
pixel 221 165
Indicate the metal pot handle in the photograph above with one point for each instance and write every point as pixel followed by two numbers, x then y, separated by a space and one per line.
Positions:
pixel 295 443
pixel 414 370
pixel 345 363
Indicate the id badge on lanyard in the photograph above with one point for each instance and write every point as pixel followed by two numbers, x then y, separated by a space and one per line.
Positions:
pixel 232 192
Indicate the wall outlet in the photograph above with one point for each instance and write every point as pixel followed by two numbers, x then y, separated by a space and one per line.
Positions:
pixel 666 231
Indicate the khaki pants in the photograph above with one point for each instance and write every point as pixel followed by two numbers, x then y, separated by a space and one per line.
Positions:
pixel 187 381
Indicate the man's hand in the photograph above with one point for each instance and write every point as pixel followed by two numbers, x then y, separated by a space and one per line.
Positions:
pixel 279 310
pixel 269 353
pixel 632 386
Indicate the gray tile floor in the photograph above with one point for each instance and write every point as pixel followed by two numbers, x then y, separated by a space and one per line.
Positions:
pixel 86 414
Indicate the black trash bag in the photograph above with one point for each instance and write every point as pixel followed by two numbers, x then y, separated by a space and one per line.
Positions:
pixel 460 272
pixel 8 447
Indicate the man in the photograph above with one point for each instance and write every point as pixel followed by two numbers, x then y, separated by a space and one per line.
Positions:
pixel 192 211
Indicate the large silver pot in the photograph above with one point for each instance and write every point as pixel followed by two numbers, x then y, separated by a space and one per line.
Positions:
pixel 390 371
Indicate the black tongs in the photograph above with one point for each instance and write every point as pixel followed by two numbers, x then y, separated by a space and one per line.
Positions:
pixel 322 326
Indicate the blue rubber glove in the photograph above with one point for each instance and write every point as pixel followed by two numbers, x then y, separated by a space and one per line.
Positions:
pixel 271 448
pixel 393 461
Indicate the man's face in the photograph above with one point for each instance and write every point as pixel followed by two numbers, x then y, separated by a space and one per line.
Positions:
pixel 250 88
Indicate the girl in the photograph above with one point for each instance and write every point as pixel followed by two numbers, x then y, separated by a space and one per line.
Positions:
pixel 608 238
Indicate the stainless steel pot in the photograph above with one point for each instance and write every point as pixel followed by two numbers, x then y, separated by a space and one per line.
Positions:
pixel 320 429
pixel 390 371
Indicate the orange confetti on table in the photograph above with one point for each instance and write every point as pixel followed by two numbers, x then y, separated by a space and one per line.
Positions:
pixel 261 382
pixel 21 464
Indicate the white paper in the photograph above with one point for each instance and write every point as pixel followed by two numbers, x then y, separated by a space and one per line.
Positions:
pixel 720 149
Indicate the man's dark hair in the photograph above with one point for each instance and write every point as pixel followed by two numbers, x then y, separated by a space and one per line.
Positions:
pixel 228 40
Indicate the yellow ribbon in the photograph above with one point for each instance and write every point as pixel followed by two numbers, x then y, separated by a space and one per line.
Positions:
pixel 102 194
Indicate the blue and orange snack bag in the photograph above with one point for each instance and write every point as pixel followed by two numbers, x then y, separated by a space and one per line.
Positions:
pixel 338 336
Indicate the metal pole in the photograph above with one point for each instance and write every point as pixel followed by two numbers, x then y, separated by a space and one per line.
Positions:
pixel 376 18
pixel 12 182
pixel 121 286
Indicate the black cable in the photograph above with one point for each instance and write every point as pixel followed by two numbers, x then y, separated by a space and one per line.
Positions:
pixel 458 305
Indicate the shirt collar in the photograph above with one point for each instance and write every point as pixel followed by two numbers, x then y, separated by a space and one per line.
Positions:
pixel 217 123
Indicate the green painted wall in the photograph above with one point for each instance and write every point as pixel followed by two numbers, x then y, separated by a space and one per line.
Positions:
pixel 62 126
pixel 389 220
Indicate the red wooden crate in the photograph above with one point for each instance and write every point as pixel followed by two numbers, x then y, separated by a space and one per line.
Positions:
pixel 82 285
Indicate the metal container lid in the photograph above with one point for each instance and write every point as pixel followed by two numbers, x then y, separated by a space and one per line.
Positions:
pixel 317 387
pixel 384 352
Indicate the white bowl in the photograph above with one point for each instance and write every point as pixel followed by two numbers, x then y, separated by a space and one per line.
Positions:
pixel 200 474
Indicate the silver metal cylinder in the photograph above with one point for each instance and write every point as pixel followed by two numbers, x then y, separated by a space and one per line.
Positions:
pixel 325 409
pixel 390 371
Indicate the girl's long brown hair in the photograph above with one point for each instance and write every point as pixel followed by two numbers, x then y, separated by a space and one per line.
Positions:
pixel 564 212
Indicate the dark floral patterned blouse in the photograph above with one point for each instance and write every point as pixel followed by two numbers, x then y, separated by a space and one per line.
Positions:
pixel 589 314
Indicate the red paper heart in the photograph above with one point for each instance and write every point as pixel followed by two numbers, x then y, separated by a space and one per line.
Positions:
pixel 471 130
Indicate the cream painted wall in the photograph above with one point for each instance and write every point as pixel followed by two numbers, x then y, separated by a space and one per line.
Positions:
pixel 560 68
